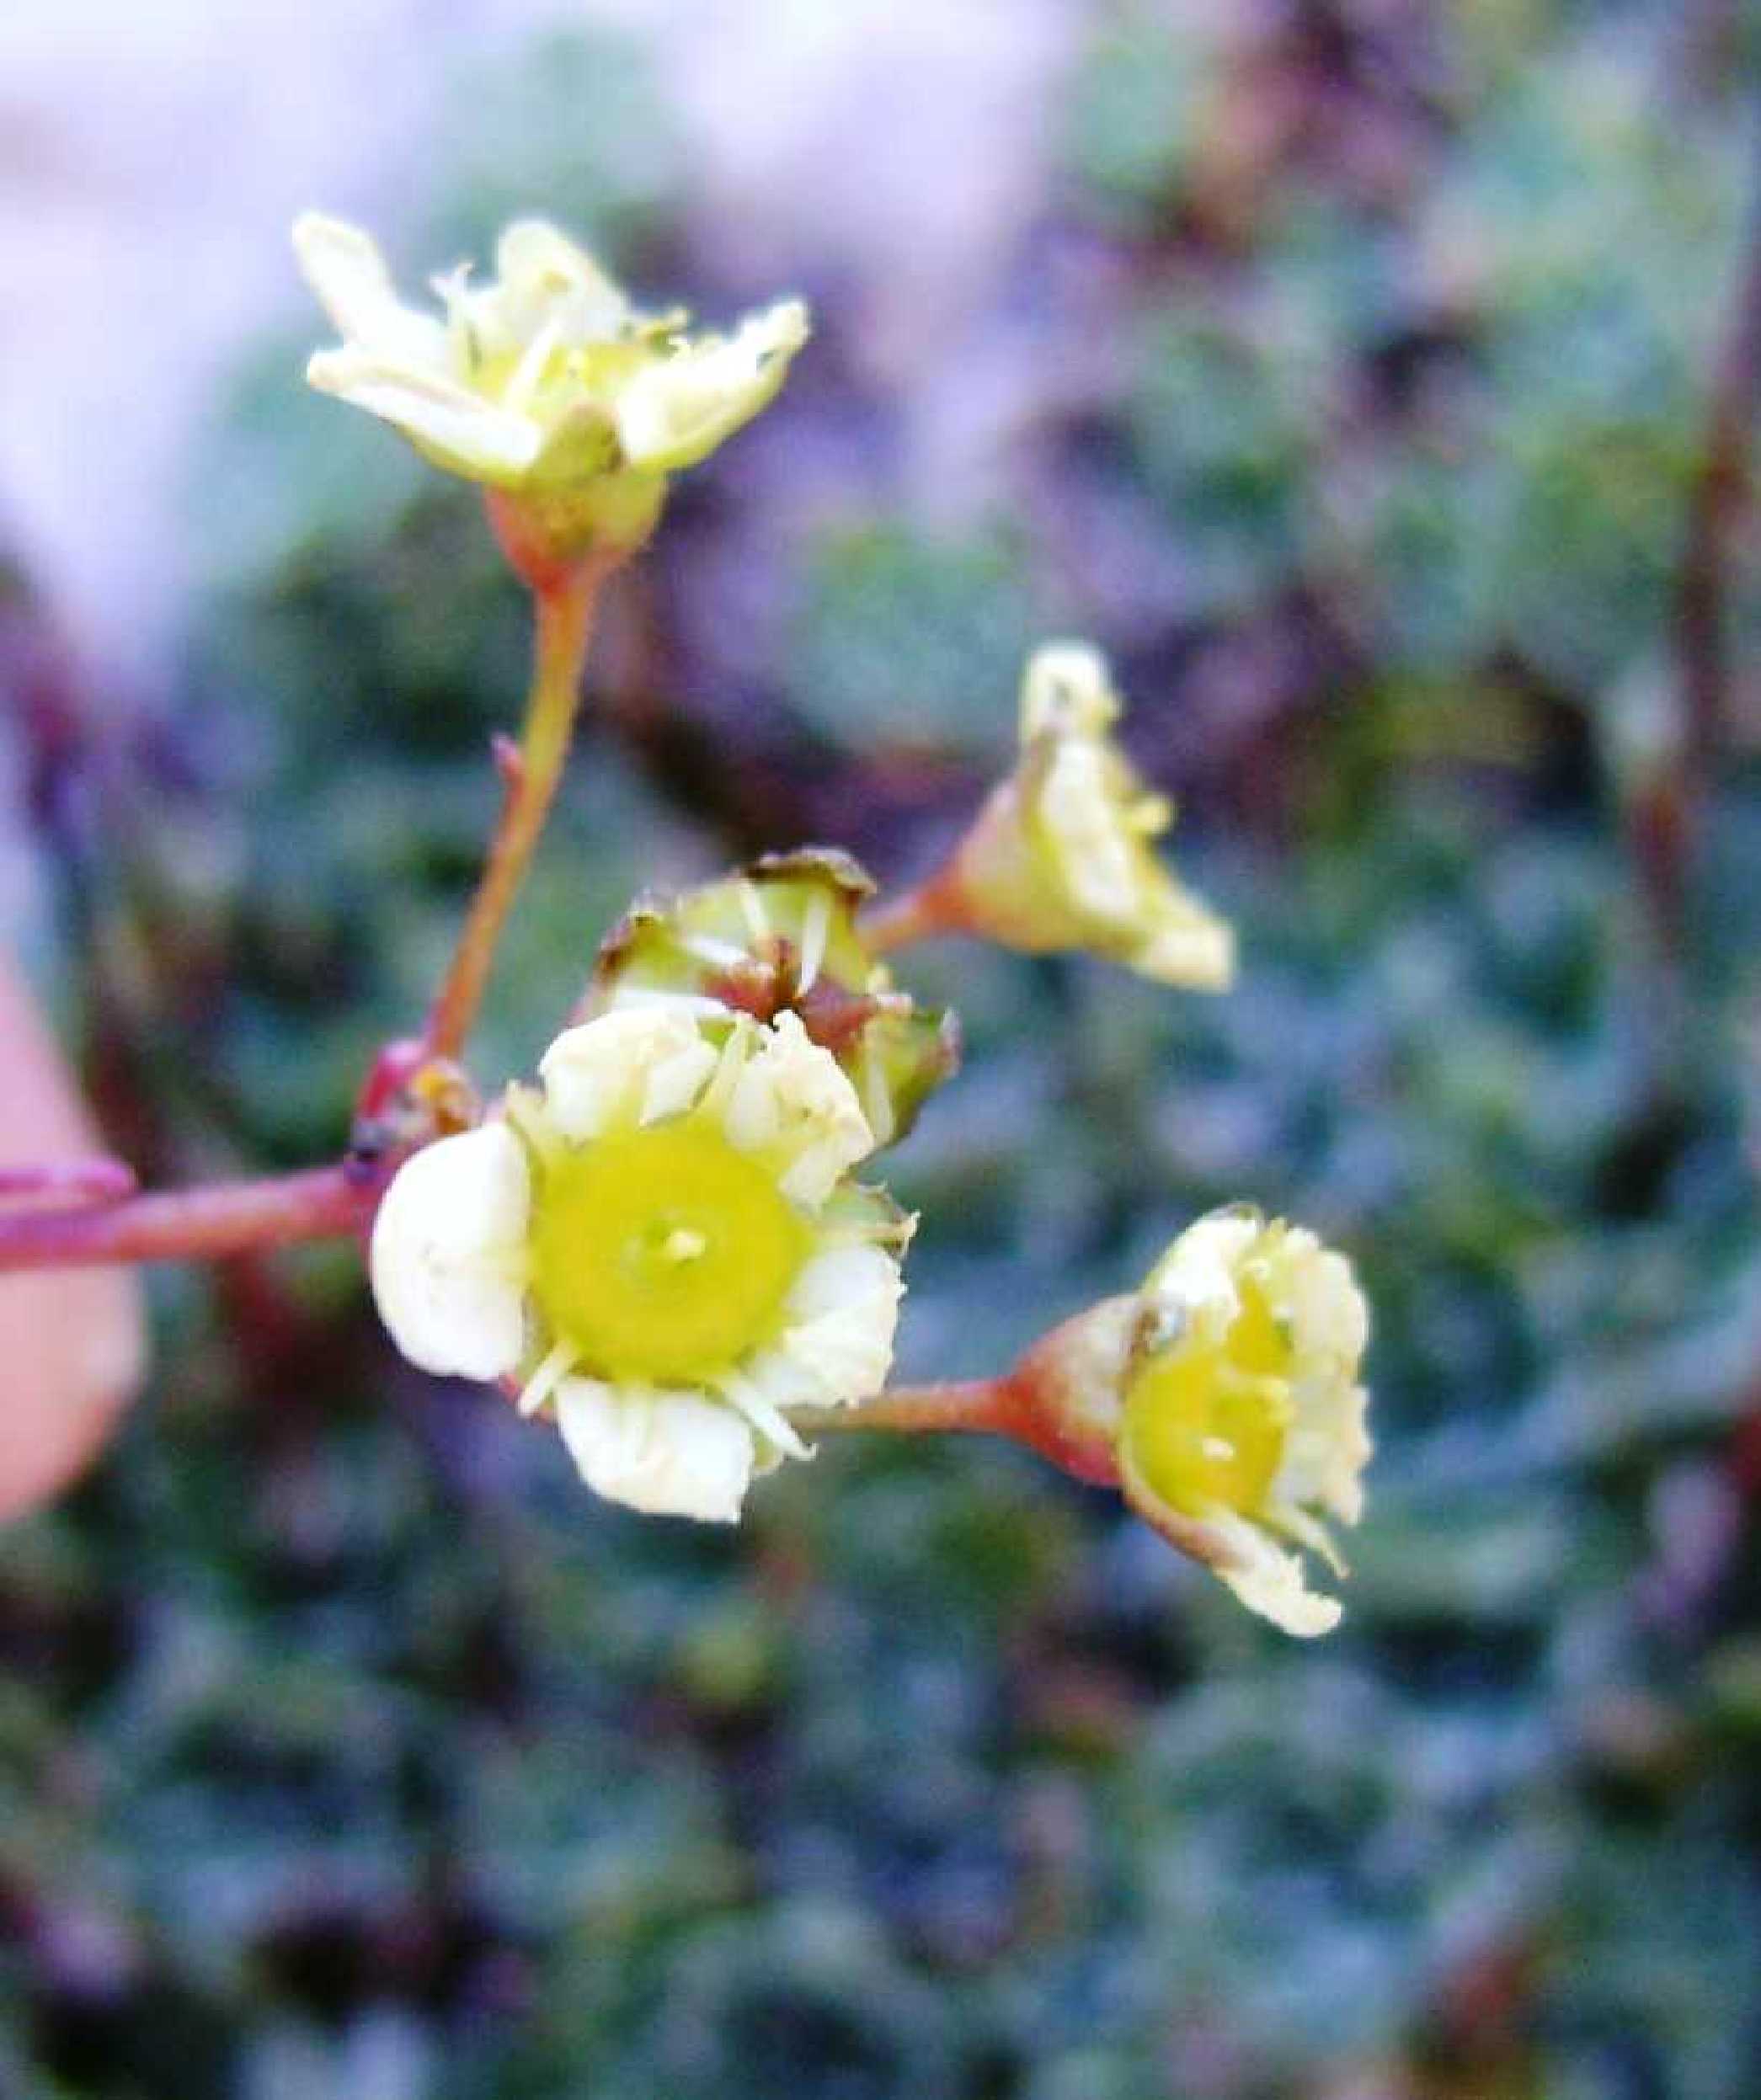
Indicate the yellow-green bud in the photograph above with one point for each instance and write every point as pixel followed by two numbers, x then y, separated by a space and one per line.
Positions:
pixel 782 937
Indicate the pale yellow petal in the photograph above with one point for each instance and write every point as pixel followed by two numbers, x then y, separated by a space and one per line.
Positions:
pixel 792 1099
pixel 455 426
pixel 843 1315
pixel 1066 690
pixel 447 1254
pixel 633 1065
pixel 670 1454
pixel 677 409
pixel 1097 859
pixel 1187 944
pixel 344 268
pixel 1269 1581
pixel 545 280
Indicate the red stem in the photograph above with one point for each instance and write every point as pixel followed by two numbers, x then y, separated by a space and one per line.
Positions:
pixel 1014 1406
pixel 563 600
pixel 203 1224
pixel 954 1403
pixel 95 1180
pixel 916 914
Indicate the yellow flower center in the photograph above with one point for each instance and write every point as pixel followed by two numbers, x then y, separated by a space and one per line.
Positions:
pixel 556 375
pixel 1205 1419
pixel 663 1256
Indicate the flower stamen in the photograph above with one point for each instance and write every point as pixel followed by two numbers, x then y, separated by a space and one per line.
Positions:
pixel 549 1375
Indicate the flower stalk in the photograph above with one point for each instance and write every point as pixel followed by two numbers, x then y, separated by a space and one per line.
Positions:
pixel 977 1405
pixel 915 914
pixel 565 595
pixel 1012 1405
pixel 201 1224
pixel 101 1180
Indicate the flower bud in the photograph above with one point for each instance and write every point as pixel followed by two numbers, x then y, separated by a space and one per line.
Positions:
pixel 1059 856
pixel 782 937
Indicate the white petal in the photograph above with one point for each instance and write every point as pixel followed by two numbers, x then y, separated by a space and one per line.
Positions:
pixel 1329 1444
pixel 1195 1280
pixel 838 1346
pixel 545 280
pixel 677 410
pixel 1065 688
pixel 677 1080
pixel 1327 1447
pixel 1188 945
pixel 459 428
pixel 843 1278
pixel 1268 1580
pixel 1098 861
pixel 634 1064
pixel 844 1313
pixel 448 1253
pixel 1326 1308
pixel 671 1453
pixel 344 268
pixel 792 1097
pixel 1266 1576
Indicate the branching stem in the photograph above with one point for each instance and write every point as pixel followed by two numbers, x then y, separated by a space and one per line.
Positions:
pixel 98 1180
pixel 204 1225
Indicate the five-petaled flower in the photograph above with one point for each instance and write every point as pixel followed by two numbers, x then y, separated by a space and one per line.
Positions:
pixel 1060 856
pixel 660 1244
pixel 1244 1421
pixel 546 383
pixel 1222 1397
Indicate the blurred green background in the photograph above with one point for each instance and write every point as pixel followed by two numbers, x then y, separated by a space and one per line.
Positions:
pixel 1352 385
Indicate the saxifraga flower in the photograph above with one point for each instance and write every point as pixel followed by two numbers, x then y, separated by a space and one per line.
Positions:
pixel 1222 1397
pixel 545 383
pixel 658 1243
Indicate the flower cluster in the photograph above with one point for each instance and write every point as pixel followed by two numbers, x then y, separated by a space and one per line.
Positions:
pixel 659 1244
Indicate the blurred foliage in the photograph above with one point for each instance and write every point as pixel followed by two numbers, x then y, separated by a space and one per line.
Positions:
pixel 347 1749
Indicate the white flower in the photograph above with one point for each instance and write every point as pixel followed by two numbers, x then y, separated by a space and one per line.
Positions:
pixel 1243 1422
pixel 546 379
pixel 1060 857
pixel 659 1244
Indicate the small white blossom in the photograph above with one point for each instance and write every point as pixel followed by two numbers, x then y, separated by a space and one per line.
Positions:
pixel 544 380
pixel 1243 1423
pixel 659 1244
